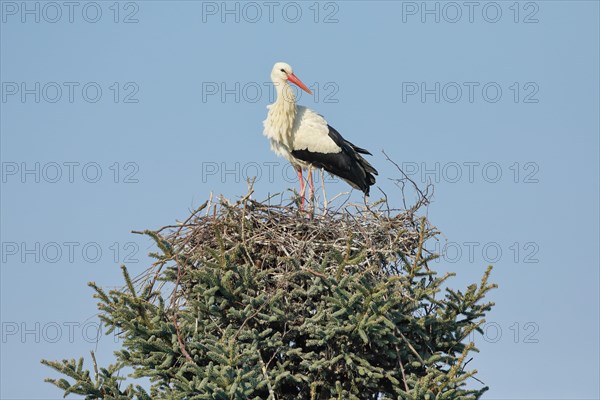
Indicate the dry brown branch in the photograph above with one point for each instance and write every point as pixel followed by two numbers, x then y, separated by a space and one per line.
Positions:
pixel 423 197
pixel 401 364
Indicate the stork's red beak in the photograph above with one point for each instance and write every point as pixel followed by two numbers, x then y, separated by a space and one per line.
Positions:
pixel 294 79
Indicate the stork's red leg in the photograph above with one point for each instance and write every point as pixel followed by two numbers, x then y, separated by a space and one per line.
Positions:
pixel 301 179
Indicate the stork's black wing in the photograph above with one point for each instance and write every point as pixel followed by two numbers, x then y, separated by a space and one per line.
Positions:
pixel 348 164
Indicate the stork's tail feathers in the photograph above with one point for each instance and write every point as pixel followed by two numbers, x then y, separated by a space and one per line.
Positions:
pixel 364 171
pixel 361 171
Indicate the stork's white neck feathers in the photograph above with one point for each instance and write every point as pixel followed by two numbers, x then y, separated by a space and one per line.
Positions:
pixel 280 120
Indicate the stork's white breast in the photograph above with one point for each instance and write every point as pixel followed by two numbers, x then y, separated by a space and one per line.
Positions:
pixel 310 132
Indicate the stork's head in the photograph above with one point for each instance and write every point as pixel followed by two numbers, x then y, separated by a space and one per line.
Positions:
pixel 282 72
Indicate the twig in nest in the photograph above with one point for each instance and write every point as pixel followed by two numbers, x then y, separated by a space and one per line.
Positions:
pixel 423 197
pixel 324 193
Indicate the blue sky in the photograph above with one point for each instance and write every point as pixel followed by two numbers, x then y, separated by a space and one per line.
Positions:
pixel 121 116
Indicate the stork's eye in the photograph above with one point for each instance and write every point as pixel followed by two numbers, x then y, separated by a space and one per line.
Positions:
pixel 283 70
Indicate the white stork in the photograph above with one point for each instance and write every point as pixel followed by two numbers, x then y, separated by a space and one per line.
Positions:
pixel 305 138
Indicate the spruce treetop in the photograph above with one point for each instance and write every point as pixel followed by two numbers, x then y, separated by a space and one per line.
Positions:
pixel 251 300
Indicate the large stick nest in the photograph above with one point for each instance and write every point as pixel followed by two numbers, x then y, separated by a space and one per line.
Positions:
pixel 280 237
pixel 271 235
